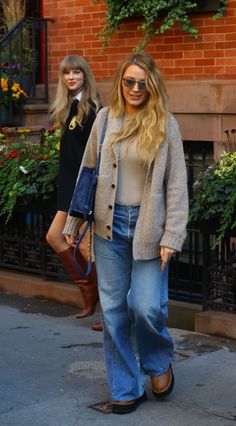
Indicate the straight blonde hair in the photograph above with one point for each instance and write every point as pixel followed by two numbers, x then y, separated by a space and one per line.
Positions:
pixel 147 126
pixel 63 99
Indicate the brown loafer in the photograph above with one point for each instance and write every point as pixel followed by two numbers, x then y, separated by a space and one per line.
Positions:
pixel 163 385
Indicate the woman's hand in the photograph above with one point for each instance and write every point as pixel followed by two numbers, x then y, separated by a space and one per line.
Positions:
pixel 166 253
pixel 70 239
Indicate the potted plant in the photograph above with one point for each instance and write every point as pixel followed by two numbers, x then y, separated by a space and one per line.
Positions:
pixel 28 170
pixel 214 199
pixel 158 17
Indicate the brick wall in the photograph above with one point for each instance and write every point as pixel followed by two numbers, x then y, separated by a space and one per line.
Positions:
pixel 180 56
pixel 200 73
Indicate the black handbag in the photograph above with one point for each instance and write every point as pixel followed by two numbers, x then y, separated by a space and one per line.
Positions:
pixel 83 200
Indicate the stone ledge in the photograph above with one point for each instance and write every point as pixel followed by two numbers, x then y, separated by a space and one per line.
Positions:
pixel 221 324
pixel 181 314
pixel 35 286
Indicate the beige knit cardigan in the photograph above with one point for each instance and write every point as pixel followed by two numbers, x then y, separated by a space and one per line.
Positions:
pixel 163 211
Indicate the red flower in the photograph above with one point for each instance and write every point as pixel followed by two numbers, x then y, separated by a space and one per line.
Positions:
pixel 13 154
pixel 39 157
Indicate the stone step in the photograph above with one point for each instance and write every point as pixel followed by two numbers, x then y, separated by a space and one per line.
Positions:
pixel 35 286
pixel 181 314
pixel 36 115
pixel 216 323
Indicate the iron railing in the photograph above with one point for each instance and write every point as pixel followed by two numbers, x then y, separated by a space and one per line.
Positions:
pixel 219 269
pixel 200 274
pixel 186 271
pixel 23 246
pixel 24 59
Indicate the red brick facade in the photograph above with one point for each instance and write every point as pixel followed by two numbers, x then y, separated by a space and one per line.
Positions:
pixel 200 73
pixel 181 57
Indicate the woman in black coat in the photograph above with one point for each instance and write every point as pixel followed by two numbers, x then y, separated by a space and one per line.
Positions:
pixel 74 109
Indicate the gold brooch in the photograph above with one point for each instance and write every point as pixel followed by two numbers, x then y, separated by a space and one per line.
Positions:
pixel 73 123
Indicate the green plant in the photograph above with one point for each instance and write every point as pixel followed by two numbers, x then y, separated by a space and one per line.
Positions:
pixel 215 195
pixel 12 12
pixel 159 16
pixel 28 170
pixel 11 92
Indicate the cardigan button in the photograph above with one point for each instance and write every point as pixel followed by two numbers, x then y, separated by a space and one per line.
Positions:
pixel 113 185
pixel 114 165
pixel 110 207
pixel 108 237
pixel 108 227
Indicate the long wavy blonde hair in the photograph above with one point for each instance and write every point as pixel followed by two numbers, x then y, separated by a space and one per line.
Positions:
pixel 147 126
pixel 61 105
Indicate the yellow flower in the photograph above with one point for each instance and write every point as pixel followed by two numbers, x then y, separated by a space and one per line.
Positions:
pixel 4 84
pixel 24 130
pixel 15 87
pixel 10 91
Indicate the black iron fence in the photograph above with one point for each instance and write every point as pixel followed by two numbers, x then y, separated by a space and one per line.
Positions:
pixel 219 269
pixel 200 274
pixel 23 246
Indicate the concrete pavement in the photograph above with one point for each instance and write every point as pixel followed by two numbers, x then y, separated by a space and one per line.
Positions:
pixel 51 370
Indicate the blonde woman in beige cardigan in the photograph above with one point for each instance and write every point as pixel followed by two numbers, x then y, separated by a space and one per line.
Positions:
pixel 141 212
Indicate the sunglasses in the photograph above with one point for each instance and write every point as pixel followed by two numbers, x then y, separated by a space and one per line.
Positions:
pixel 130 83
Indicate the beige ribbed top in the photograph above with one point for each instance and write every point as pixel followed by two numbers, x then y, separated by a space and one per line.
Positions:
pixel 131 175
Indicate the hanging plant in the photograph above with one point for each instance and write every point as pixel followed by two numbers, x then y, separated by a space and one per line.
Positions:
pixel 158 15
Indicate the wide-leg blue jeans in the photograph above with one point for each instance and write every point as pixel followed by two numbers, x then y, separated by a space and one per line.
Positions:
pixel 134 298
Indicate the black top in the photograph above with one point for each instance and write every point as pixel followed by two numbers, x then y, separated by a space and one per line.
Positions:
pixel 73 143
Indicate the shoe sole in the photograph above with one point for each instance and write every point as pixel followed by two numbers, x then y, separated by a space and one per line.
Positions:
pixel 128 408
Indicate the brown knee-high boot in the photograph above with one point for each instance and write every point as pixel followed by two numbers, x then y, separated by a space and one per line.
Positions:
pixel 89 291
pixel 88 285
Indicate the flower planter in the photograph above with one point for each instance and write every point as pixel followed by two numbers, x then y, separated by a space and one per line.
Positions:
pixel 203 6
pixel 29 173
pixel 206 6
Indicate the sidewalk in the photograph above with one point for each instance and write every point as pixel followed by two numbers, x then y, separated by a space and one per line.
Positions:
pixel 52 369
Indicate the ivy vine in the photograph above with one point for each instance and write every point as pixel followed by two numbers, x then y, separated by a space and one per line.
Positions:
pixel 158 15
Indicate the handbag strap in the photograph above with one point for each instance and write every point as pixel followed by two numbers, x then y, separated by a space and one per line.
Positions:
pixel 89 265
pixel 101 142
pixel 89 224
